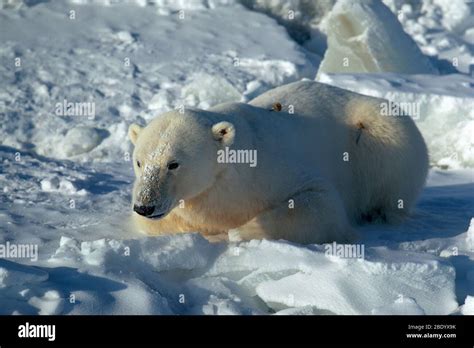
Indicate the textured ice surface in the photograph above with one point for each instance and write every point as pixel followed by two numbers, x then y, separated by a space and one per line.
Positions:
pixel 365 36
pixel 130 64
pixel 441 28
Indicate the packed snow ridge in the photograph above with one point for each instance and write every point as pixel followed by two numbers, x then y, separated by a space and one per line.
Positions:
pixel 366 37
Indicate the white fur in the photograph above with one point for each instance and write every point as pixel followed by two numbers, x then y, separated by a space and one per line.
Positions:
pixel 302 189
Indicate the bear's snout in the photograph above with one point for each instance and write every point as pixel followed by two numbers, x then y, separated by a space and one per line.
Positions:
pixel 144 210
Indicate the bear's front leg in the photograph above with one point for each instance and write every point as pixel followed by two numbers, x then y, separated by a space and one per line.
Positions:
pixel 314 215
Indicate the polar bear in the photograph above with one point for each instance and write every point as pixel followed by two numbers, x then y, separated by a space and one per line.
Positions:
pixel 325 160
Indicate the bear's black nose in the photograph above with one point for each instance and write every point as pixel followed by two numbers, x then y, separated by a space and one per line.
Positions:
pixel 144 210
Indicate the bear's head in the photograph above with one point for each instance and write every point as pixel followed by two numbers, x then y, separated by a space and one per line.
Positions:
pixel 175 159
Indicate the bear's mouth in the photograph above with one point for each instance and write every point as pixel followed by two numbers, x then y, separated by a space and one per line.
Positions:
pixel 157 216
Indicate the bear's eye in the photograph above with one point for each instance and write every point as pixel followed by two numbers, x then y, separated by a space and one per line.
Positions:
pixel 173 165
pixel 139 164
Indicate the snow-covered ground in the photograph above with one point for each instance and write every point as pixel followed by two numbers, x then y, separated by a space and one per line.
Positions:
pixel 65 181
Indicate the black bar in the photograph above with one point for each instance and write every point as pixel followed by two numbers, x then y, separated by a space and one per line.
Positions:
pixel 288 330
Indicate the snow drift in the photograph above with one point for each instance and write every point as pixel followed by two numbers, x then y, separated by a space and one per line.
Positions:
pixel 185 274
pixel 366 37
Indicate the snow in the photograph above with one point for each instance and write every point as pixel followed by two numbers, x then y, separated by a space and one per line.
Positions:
pixel 115 63
pixel 66 179
pixel 441 28
pixel 366 36
pixel 401 306
pixel 80 140
pixel 468 308
pixel 326 286
pixel 234 275
pixel 206 90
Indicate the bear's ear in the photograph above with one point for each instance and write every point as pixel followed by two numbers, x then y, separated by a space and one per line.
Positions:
pixel 133 132
pixel 224 132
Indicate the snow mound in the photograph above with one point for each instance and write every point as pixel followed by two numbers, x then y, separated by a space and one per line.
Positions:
pixel 445 105
pixel 441 28
pixel 80 140
pixel 204 91
pixel 181 252
pixel 63 186
pixel 336 285
pixel 232 277
pixel 401 306
pixel 365 36
pixel 468 307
